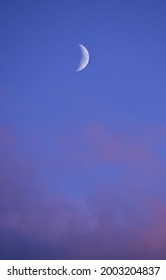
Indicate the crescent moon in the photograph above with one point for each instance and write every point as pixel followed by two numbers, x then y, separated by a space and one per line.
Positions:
pixel 84 59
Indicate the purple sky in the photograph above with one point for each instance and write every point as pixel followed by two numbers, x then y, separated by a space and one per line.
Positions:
pixel 82 154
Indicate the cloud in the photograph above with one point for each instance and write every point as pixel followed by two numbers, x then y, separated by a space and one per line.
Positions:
pixel 123 216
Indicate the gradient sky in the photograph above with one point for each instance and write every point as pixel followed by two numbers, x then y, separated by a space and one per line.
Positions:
pixel 82 154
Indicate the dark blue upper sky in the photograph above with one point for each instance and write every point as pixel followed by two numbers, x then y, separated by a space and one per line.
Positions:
pixel 126 41
pixel 81 137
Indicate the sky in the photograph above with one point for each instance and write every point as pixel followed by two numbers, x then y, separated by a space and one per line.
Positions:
pixel 82 154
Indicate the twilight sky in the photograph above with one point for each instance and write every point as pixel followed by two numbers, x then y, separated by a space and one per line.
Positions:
pixel 82 154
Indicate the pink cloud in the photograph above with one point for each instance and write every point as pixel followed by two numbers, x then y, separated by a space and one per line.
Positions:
pixel 154 236
pixel 95 145
pixel 119 218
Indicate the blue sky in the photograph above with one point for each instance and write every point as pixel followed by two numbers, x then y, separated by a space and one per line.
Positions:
pixel 84 151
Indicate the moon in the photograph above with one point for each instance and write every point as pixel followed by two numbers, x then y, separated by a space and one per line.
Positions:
pixel 84 58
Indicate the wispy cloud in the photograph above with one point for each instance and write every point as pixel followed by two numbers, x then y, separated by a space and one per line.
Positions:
pixel 123 216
